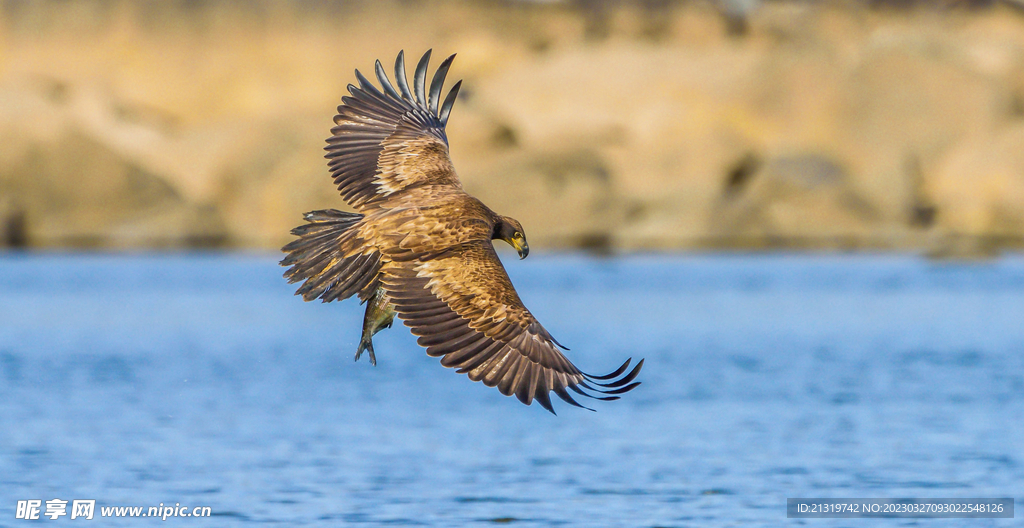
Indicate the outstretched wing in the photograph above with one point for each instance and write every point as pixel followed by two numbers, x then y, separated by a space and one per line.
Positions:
pixel 464 307
pixel 388 140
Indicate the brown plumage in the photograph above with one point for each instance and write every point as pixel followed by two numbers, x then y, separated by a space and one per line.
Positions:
pixel 421 246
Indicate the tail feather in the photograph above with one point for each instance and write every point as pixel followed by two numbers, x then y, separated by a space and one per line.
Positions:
pixel 317 258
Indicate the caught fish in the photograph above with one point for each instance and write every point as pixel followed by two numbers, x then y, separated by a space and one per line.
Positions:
pixel 379 315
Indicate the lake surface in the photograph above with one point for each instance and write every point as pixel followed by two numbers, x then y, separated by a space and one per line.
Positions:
pixel 200 380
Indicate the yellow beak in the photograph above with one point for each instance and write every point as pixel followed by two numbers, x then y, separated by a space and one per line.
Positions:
pixel 521 246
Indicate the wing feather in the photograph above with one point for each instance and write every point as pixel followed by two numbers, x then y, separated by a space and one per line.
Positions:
pixel 495 368
pixel 478 325
pixel 449 101
pixel 510 378
pixel 330 258
pixel 541 392
pixel 400 78
pixel 420 79
pixel 464 359
pixel 387 140
pixel 386 84
pixel 437 83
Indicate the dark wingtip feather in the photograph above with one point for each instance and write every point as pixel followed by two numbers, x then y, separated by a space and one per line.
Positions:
pixel 625 379
pixel 420 79
pixel 567 398
pixel 615 374
pixel 553 340
pixel 401 79
pixel 367 86
pixel 623 390
pixel 438 82
pixel 446 108
pixel 545 401
pixel 385 82
pixel 590 387
pixel 579 391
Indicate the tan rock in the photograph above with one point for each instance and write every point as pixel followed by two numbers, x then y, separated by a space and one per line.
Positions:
pixel 801 200
pixel 612 126
pixel 978 191
pixel 75 191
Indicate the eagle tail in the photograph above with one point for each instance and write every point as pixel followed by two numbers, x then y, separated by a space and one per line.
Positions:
pixel 318 258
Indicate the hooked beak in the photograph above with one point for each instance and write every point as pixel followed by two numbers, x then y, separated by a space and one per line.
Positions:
pixel 521 246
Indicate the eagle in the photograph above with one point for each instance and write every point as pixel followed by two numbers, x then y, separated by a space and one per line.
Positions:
pixel 420 247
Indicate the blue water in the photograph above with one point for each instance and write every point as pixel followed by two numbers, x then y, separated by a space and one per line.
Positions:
pixel 200 380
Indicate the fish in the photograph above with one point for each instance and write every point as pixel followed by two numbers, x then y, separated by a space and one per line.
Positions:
pixel 380 314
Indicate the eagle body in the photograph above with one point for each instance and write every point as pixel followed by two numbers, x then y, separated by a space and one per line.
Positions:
pixel 420 247
pixel 429 220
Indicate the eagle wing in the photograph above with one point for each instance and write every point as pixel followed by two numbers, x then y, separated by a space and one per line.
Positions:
pixel 464 308
pixel 388 140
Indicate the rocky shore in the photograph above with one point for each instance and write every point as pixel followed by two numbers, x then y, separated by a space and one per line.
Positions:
pixel 600 125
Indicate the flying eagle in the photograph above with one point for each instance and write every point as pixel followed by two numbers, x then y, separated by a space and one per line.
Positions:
pixel 420 247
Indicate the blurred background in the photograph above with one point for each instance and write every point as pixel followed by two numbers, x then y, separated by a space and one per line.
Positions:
pixel 600 124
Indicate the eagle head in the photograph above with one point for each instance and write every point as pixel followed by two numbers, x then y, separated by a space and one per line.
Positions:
pixel 511 231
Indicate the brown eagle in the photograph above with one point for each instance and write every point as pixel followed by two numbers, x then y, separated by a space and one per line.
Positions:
pixel 420 246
